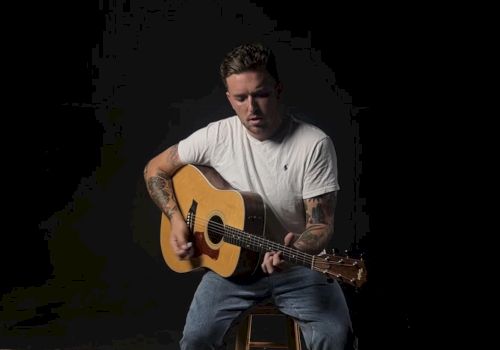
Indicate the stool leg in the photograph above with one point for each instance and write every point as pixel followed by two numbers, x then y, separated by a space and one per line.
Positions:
pixel 244 333
pixel 293 334
pixel 297 336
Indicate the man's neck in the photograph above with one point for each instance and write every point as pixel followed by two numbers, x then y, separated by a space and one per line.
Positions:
pixel 281 130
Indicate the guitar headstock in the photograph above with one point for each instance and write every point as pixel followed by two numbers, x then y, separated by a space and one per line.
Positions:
pixel 343 268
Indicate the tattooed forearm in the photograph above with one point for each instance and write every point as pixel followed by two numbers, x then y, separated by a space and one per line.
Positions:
pixel 170 212
pixel 315 238
pixel 157 175
pixel 319 212
pixel 160 190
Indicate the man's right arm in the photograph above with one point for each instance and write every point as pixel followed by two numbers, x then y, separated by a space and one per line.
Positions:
pixel 158 177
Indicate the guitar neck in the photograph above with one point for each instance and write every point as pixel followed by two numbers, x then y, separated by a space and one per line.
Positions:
pixel 262 245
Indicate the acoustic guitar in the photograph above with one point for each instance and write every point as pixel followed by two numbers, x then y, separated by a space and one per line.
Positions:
pixel 229 230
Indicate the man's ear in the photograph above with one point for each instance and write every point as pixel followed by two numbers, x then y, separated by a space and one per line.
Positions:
pixel 230 100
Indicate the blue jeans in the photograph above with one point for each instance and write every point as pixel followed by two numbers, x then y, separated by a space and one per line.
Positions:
pixel 318 305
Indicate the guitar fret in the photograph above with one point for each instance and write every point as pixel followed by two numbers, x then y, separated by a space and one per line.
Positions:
pixel 256 243
pixel 259 244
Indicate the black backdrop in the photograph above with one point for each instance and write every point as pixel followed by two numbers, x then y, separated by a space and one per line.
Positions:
pixel 112 83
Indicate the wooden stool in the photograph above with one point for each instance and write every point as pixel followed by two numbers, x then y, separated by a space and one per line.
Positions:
pixel 244 336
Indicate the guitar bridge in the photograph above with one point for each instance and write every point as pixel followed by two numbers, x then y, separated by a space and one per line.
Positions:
pixel 192 215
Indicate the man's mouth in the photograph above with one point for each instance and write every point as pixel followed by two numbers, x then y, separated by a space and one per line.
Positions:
pixel 255 120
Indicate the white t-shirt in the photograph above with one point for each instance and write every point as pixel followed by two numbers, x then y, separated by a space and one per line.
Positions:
pixel 302 164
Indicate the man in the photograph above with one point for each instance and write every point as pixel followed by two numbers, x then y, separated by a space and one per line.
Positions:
pixel 292 165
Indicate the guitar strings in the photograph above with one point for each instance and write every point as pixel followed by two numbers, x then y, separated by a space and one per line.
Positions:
pixel 307 259
pixel 242 236
pixel 226 231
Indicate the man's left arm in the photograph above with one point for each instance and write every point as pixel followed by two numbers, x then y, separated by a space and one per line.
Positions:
pixel 319 213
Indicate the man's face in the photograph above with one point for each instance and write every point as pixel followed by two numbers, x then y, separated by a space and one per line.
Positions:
pixel 254 97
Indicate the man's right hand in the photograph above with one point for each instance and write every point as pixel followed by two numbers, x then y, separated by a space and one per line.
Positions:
pixel 179 238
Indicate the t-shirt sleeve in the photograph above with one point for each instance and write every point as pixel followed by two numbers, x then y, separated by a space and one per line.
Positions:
pixel 321 170
pixel 198 147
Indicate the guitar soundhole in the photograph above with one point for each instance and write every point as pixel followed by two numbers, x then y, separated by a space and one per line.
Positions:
pixel 215 229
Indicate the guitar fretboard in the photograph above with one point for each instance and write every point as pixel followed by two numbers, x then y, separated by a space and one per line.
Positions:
pixel 255 243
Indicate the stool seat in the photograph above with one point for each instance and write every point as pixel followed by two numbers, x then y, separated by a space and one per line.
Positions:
pixel 244 336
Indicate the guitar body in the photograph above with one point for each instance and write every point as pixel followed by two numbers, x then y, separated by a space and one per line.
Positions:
pixel 212 204
pixel 229 230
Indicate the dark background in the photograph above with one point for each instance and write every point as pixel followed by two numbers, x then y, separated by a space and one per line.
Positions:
pixel 107 85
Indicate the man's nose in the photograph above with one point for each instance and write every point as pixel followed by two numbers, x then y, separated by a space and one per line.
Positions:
pixel 252 104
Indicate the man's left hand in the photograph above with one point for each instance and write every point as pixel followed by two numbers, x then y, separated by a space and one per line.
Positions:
pixel 272 260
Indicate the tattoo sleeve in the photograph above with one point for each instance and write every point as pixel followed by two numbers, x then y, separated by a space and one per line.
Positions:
pixel 319 213
pixel 159 184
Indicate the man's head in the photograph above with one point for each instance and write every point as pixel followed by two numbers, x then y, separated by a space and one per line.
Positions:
pixel 253 89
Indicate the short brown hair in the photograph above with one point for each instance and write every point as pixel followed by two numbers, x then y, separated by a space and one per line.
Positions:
pixel 248 57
